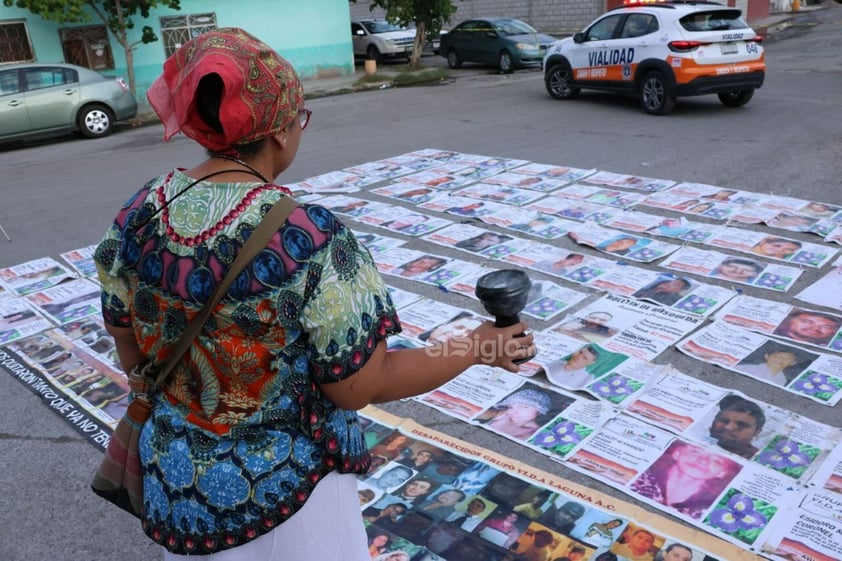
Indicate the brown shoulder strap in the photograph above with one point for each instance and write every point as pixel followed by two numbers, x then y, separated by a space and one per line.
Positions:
pixel 258 240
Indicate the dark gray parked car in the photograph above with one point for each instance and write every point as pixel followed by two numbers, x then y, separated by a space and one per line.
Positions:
pixel 503 42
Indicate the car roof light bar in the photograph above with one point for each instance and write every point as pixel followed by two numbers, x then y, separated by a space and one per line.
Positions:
pixel 665 3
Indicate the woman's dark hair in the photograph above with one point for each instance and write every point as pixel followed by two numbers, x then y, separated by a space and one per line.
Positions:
pixel 606 556
pixel 208 99
pixel 742 405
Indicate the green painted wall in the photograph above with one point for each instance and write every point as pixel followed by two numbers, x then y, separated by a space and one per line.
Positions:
pixel 314 35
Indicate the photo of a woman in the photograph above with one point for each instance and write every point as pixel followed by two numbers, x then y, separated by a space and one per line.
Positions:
pixel 776 248
pixel 621 245
pixel 738 270
pixel 518 414
pixel 686 478
pixel 377 543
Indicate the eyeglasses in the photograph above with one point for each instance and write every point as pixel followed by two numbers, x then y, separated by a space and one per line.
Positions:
pixel 304 117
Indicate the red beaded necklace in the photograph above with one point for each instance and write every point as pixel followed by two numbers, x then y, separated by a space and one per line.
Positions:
pixel 226 220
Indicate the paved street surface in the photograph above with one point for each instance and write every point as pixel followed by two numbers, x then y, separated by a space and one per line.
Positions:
pixel 58 196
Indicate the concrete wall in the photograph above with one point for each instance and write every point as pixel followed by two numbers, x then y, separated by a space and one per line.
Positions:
pixel 556 17
pixel 314 35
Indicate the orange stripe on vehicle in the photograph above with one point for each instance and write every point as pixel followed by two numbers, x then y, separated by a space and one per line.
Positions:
pixel 686 70
pixel 613 73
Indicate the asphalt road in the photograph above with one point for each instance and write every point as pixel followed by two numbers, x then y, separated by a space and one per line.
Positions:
pixel 58 196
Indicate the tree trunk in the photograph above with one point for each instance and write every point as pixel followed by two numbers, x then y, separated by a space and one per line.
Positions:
pixel 130 70
pixel 418 46
pixel 127 47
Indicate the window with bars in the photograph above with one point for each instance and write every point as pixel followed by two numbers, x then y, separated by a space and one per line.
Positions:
pixel 14 42
pixel 177 30
pixel 87 46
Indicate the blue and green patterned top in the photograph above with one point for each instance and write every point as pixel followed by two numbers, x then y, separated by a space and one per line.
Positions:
pixel 242 433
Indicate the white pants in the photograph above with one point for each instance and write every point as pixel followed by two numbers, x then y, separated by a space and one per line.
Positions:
pixel 329 527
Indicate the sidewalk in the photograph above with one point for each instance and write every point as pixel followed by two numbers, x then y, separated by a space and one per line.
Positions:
pixel 779 20
pixel 321 87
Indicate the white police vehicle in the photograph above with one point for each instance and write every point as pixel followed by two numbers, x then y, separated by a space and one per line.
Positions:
pixel 660 51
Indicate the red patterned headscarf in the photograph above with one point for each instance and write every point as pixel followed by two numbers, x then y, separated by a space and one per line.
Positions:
pixel 261 94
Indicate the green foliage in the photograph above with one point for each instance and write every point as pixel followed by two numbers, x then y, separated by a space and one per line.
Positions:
pixel 372 79
pixel 430 75
pixel 432 13
pixel 411 78
pixel 115 14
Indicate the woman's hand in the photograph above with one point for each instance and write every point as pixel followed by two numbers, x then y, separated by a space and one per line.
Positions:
pixel 501 346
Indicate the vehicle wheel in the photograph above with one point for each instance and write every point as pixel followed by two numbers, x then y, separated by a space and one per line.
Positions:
pixel 736 99
pixel 95 121
pixel 373 53
pixel 655 96
pixel 506 63
pixel 558 80
pixel 453 59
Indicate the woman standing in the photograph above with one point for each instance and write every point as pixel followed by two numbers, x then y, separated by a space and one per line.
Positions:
pixel 254 442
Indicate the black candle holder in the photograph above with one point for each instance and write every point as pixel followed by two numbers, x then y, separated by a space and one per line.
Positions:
pixel 504 294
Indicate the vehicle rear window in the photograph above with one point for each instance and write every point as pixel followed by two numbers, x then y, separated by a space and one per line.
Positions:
pixel 718 20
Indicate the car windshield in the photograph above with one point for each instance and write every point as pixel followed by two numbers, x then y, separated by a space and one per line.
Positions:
pixel 719 20
pixel 513 27
pixel 380 27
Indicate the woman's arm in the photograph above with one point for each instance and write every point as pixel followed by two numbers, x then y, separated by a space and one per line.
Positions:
pixel 388 376
pixel 127 349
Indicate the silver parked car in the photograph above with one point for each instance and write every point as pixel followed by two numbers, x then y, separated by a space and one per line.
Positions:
pixel 378 39
pixel 40 98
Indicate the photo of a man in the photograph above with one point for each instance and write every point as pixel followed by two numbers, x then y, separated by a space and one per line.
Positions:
pixel 593 328
pixel 666 290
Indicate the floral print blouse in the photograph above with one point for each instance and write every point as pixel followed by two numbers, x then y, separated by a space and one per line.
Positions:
pixel 241 433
